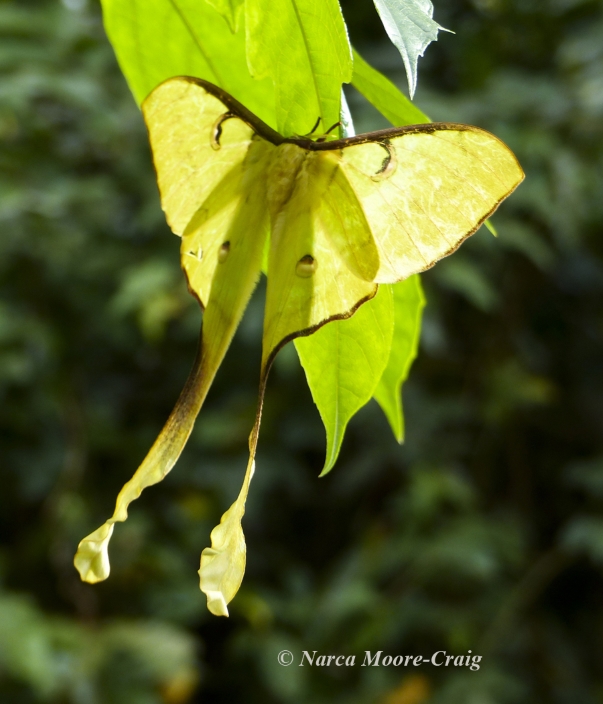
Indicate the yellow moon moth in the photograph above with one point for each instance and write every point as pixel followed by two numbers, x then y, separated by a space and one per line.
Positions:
pixel 327 219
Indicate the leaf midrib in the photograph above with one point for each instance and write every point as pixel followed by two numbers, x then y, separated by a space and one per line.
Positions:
pixel 196 41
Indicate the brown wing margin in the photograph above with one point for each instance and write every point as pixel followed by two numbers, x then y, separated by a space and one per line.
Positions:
pixel 233 105
pixel 387 133
pixel 271 135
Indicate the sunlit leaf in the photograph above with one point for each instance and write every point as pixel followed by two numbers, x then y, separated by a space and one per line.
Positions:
pixel 344 362
pixel 408 307
pixel 347 123
pixel 384 95
pixel 302 45
pixel 158 39
pixel 410 27
pixel 229 9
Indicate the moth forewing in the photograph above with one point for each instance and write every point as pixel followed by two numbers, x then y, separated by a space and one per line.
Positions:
pixel 435 190
pixel 180 116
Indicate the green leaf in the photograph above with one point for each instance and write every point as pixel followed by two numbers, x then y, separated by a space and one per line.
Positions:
pixel 303 46
pixel 491 228
pixel 410 26
pixel 229 9
pixel 384 95
pixel 157 39
pixel 408 309
pixel 344 361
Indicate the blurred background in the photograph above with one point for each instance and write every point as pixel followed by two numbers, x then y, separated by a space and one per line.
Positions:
pixel 483 532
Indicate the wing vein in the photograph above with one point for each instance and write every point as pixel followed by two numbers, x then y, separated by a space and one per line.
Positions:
pixel 473 155
pixel 447 167
pixel 380 194
pixel 195 39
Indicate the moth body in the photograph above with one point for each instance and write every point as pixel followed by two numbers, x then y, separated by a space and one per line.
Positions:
pixel 287 161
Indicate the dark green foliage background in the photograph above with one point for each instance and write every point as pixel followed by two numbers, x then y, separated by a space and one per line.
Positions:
pixel 483 532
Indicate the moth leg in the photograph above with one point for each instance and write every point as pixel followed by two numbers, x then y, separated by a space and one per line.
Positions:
pixel 331 128
pixel 313 130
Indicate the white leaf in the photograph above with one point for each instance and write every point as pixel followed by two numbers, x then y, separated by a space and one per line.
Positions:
pixel 410 26
pixel 347 123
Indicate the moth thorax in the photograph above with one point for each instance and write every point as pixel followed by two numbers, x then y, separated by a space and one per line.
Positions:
pixel 286 163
